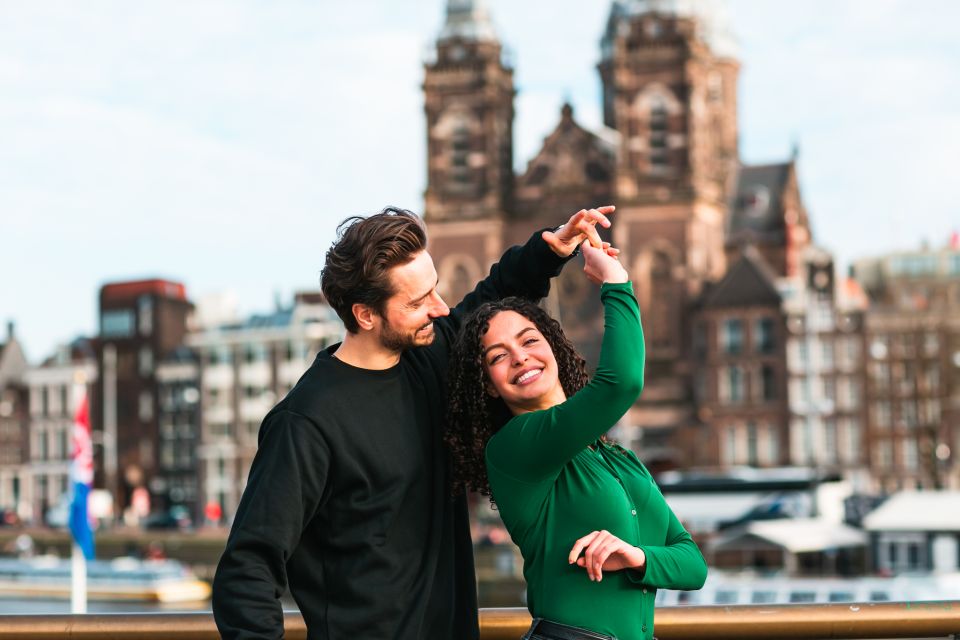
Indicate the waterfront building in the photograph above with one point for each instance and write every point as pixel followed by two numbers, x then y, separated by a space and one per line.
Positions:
pixel 245 368
pixel 824 319
pixel 916 532
pixel 56 388
pixel 13 428
pixel 912 390
pixel 141 322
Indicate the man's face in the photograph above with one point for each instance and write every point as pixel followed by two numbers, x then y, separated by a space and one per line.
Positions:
pixel 409 313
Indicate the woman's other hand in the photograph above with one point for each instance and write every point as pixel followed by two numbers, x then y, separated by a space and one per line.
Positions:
pixel 603 264
pixel 603 551
pixel 581 227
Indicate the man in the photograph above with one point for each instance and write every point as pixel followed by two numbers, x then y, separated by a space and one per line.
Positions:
pixel 347 500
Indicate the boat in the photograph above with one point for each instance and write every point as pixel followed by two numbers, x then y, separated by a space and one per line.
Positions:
pixel 723 588
pixel 163 581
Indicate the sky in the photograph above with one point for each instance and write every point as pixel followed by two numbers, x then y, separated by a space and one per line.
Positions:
pixel 219 142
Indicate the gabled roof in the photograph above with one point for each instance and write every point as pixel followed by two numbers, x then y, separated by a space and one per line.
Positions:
pixel 796 535
pixel 749 282
pixel 917 511
pixel 571 157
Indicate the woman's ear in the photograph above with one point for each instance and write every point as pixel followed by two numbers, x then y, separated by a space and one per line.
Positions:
pixel 491 391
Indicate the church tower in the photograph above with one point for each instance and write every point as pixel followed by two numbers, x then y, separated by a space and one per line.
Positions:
pixel 469 92
pixel 669 79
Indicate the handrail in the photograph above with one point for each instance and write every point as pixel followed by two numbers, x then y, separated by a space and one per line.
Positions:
pixel 783 622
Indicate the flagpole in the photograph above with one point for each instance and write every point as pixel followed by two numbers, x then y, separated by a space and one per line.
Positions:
pixel 78 578
pixel 81 472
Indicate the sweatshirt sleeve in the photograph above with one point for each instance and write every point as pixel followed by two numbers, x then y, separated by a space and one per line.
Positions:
pixel 286 483
pixel 677 564
pixel 536 445
pixel 523 270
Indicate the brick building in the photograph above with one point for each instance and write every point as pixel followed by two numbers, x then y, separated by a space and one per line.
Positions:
pixel 667 156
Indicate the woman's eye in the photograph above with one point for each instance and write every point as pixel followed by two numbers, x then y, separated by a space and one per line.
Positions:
pixel 529 341
pixel 496 358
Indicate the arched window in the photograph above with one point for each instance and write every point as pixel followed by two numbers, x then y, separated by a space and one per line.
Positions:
pixel 658 133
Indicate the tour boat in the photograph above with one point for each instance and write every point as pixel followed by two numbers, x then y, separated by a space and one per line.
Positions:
pixel 164 581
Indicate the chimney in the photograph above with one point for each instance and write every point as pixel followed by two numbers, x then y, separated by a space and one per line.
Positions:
pixel 9 330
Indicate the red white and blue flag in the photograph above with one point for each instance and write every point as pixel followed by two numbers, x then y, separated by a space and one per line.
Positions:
pixel 81 475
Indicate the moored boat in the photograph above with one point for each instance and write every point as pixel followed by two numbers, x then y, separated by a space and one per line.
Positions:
pixel 164 581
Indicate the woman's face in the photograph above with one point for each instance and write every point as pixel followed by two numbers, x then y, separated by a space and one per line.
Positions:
pixel 520 364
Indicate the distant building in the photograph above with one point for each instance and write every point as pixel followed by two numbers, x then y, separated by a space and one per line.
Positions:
pixel 825 356
pixel 14 452
pixel 912 333
pixel 141 322
pixel 56 388
pixel 245 368
pixel 916 531
pixel 178 468
pixel 740 378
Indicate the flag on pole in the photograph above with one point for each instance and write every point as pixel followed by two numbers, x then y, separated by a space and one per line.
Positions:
pixel 81 475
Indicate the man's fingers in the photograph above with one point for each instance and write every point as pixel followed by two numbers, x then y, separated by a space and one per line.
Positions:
pixel 596 217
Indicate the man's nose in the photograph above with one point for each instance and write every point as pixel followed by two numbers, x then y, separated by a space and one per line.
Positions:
pixel 440 307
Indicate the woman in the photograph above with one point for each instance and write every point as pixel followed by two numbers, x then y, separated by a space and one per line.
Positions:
pixel 526 428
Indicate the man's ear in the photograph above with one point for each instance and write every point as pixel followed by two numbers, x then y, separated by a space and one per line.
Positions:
pixel 365 316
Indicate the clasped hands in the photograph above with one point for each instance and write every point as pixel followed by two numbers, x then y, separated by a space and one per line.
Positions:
pixel 601 263
pixel 603 551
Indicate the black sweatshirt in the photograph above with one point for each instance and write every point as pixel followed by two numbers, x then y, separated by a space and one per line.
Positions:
pixel 348 498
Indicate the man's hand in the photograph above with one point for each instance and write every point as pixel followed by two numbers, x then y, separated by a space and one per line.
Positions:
pixel 603 550
pixel 602 265
pixel 581 226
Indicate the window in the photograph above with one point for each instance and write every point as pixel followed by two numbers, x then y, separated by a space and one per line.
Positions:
pixel 64 401
pixel 255 352
pixel 883 455
pixel 763 340
pixel 908 414
pixel 658 135
pixel 763 597
pixel 145 315
pixel 732 336
pixel 829 441
pixel 734 385
pixel 826 355
pixel 773 445
pixel 752 458
pixel 909 452
pixel 768 383
pixel 146 406
pixel 116 324
pixel 730 450
pixel 802 596
pixel 146 362
pixel 881 414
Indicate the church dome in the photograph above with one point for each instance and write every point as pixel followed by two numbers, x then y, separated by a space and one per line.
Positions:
pixel 711 16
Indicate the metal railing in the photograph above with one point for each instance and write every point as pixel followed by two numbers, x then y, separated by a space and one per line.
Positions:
pixel 935 619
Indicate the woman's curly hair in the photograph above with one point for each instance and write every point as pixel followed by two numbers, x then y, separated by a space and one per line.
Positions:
pixel 473 415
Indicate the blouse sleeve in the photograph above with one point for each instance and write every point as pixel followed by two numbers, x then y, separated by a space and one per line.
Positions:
pixel 536 445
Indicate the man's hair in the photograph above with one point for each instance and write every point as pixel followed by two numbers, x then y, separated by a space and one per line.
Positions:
pixel 357 265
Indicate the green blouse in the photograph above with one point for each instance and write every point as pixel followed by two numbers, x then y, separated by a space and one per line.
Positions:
pixel 555 482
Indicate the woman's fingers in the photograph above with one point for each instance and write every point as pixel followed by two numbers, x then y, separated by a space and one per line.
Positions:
pixel 579 546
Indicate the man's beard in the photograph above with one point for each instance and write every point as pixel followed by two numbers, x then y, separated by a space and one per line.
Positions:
pixel 396 341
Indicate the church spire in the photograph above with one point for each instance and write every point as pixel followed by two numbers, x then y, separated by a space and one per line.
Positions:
pixel 468 20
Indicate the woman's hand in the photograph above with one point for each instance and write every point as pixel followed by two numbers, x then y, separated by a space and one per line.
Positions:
pixel 602 264
pixel 582 226
pixel 604 551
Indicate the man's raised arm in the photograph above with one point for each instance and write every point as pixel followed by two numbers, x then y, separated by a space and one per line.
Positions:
pixel 525 270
